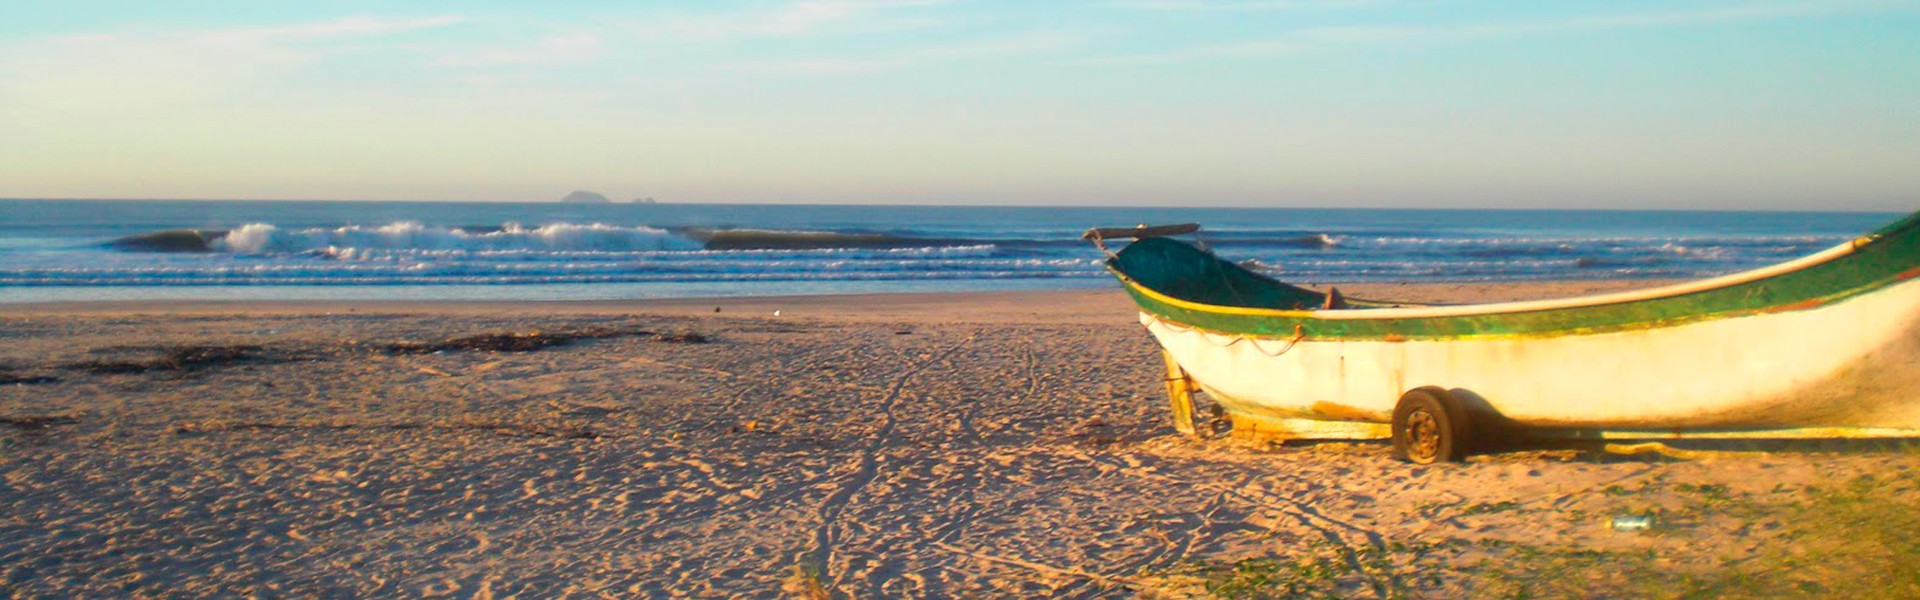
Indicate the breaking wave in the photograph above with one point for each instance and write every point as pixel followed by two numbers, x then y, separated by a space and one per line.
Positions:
pixel 267 238
pixel 264 238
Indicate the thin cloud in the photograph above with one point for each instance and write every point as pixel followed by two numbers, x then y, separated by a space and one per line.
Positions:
pixel 344 27
pixel 792 19
pixel 569 48
pixel 1319 39
pixel 92 72
pixel 358 25
pixel 1249 5
pixel 1023 45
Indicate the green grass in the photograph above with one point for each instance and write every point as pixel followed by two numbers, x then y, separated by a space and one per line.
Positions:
pixel 1858 540
pixel 1711 492
pixel 1861 540
pixel 1319 569
pixel 1618 491
pixel 1490 508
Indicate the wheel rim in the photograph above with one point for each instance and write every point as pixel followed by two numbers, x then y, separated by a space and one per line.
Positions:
pixel 1423 435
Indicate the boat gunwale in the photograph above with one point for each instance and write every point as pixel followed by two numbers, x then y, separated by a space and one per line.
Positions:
pixel 1523 306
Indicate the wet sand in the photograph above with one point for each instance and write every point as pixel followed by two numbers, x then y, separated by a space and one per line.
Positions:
pixel 979 445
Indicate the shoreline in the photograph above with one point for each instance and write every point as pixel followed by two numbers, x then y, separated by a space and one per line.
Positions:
pixel 828 305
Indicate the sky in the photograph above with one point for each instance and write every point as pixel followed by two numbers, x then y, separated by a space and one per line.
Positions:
pixel 1735 104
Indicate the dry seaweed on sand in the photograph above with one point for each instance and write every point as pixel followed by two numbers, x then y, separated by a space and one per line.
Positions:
pixel 565 431
pixel 487 342
pixel 11 378
pixel 183 358
pixel 36 422
pixel 681 337
pixel 10 374
pixel 533 340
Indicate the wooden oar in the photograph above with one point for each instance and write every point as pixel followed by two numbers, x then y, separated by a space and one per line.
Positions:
pixel 1137 232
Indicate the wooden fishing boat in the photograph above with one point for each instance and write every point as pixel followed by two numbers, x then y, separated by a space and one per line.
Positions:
pixel 1823 346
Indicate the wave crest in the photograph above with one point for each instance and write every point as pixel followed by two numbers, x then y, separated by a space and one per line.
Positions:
pixel 266 238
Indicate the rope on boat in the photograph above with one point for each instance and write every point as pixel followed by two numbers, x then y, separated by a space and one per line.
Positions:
pixel 1299 333
pixel 1102 245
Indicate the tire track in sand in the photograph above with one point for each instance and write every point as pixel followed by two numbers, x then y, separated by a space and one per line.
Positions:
pixel 818 557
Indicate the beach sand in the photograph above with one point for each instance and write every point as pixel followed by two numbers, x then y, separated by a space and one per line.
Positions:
pixel 972 445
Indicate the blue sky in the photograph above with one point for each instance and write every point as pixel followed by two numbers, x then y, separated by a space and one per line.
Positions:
pixel 1434 103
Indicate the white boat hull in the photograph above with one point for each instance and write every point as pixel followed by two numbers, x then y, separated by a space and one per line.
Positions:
pixel 1848 364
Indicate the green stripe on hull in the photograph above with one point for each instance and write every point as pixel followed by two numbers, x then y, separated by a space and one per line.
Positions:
pixel 1181 271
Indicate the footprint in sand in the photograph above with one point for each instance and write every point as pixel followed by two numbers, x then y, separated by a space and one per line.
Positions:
pixel 444 587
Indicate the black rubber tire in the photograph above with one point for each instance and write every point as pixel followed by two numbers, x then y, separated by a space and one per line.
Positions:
pixel 1429 426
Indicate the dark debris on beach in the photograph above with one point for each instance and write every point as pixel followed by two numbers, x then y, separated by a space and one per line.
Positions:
pixel 37 422
pixel 188 359
pixel 533 340
pixel 118 360
pixel 8 377
pixel 10 374
pixel 565 431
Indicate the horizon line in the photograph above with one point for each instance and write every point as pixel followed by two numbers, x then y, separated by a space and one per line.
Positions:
pixel 658 202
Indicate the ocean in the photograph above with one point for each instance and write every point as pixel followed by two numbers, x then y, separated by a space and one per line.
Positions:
pixel 56 250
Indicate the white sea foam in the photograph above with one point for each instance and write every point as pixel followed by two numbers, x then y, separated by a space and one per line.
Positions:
pixel 532 255
pixel 265 238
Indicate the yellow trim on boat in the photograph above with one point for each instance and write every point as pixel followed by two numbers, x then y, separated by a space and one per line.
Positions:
pixel 1508 307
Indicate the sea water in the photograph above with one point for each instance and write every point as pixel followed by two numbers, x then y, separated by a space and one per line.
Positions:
pixel 153 249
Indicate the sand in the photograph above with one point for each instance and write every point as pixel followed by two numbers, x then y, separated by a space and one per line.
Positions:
pixel 977 445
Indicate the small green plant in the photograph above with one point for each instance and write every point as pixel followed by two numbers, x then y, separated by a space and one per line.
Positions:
pixel 1490 508
pixel 804 584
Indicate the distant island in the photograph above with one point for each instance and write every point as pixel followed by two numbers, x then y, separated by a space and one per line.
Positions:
pixel 586 197
pixel 646 200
